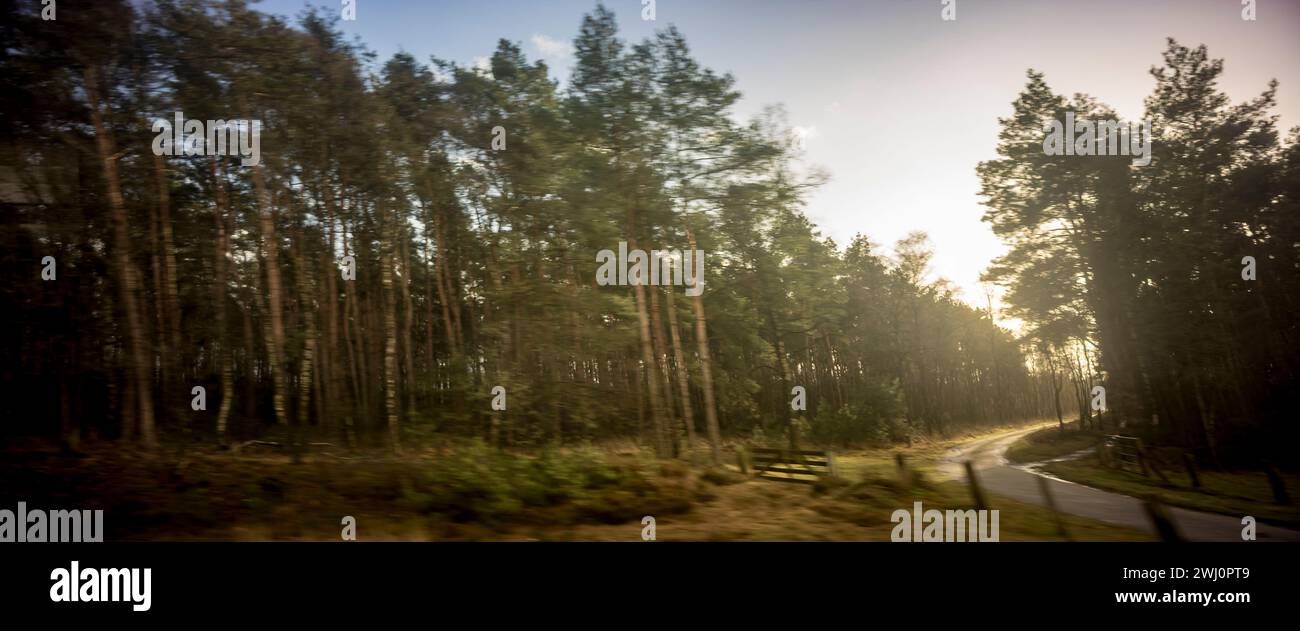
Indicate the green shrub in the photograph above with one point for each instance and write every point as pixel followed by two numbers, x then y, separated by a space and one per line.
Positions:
pixel 848 425
pixel 872 418
pixel 478 483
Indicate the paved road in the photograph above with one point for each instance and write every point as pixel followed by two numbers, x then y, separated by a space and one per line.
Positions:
pixel 1019 483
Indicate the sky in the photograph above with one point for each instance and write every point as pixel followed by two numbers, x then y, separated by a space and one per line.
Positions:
pixel 896 103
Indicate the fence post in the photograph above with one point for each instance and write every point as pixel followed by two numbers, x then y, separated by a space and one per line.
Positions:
pixel 1161 519
pixel 1190 463
pixel 1142 459
pixel 1275 481
pixel 903 474
pixel 742 462
pixel 1045 486
pixel 975 489
pixel 1149 463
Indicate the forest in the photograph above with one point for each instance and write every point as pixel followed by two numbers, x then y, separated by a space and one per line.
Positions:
pixel 417 233
pixel 475 266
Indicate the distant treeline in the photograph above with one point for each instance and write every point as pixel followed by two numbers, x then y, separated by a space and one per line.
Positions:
pixel 474 204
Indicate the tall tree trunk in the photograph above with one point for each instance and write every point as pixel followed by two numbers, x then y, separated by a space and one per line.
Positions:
pixel 439 278
pixel 128 276
pixel 171 295
pixel 1056 387
pixel 350 320
pixel 163 358
pixel 783 375
pixel 250 353
pixel 306 288
pixel 452 303
pixel 332 359
pixel 270 250
pixel 222 351
pixel 650 367
pixel 408 316
pixel 429 362
pixel 683 383
pixel 390 333
pixel 661 360
pixel 706 368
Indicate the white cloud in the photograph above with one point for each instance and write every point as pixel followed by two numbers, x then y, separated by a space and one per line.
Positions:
pixel 483 64
pixel 551 49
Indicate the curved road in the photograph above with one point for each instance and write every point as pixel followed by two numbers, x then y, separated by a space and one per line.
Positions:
pixel 1018 482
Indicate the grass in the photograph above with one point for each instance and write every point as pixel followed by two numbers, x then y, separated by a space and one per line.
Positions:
pixel 842 510
pixel 1235 493
pixel 469 492
pixel 1049 443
